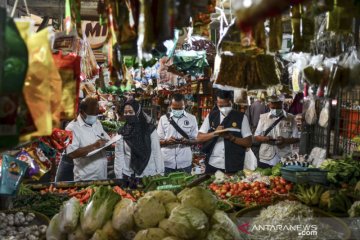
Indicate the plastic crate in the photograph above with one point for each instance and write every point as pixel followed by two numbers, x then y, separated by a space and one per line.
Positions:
pixel 298 174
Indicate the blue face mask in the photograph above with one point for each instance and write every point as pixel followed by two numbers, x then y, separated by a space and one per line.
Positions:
pixel 177 113
pixel 90 119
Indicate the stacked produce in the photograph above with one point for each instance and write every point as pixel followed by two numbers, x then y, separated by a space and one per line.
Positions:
pixel 345 171
pixel 160 215
pixel 20 226
pixel 286 214
pixel 261 191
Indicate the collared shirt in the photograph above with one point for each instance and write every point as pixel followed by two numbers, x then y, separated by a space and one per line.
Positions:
pixel 217 158
pixel 285 128
pixel 123 157
pixel 91 167
pixel 177 156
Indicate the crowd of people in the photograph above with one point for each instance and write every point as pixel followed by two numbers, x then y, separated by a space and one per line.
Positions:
pixel 146 148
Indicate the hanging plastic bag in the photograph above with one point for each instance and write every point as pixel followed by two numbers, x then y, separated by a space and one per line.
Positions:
pixel 310 115
pixel 12 173
pixel 38 90
pixel 250 160
pixel 276 34
pixel 69 68
pixel 13 67
pixel 325 115
pixel 353 64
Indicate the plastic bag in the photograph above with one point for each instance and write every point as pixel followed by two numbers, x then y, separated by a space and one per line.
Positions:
pixel 12 172
pixel 310 115
pixel 34 168
pixel 324 116
pixel 13 68
pixel 250 160
pixel 353 64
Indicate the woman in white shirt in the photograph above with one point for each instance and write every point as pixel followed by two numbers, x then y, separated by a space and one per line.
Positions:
pixel 137 153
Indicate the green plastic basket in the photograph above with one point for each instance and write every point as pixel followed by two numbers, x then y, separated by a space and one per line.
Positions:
pixel 298 174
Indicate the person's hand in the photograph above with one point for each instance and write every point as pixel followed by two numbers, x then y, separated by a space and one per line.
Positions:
pixel 226 135
pixel 171 141
pixel 219 128
pixel 268 139
pixel 100 143
pixel 280 142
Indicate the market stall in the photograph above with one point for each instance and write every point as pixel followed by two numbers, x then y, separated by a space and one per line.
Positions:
pixel 302 54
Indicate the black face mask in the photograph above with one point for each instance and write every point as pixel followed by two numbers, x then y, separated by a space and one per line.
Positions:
pixel 131 119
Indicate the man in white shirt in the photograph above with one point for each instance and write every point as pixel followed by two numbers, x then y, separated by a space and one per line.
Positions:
pixel 88 135
pixel 175 143
pixel 276 131
pixel 225 151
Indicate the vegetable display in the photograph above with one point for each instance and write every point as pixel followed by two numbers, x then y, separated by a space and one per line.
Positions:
pixel 289 213
pixel 335 201
pixel 342 171
pixel 20 226
pixel 255 193
pixel 310 195
pixel 160 215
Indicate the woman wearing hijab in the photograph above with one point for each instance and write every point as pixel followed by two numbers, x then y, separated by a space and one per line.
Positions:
pixel 137 153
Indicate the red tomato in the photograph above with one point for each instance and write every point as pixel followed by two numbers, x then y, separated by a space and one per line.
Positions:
pixel 288 187
pixel 263 191
pixel 283 191
pixel 283 181
pixel 262 185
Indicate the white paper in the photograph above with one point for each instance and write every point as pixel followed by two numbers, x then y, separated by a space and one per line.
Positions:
pixel 227 130
pixel 108 143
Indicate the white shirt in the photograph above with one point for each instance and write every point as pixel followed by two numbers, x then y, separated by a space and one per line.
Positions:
pixel 286 128
pixel 177 156
pixel 123 157
pixel 217 158
pixel 93 167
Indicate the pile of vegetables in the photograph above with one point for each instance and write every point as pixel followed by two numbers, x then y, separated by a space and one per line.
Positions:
pixel 255 193
pixel 335 201
pixel 286 214
pixel 342 171
pixel 191 214
pixel 274 171
pixel 310 195
pixel 20 226
pixel 111 126
pixel 47 204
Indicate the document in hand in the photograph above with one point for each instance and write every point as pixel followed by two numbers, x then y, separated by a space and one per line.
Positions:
pixel 108 143
pixel 227 130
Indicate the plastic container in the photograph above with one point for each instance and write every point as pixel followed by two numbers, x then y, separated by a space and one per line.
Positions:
pixel 298 174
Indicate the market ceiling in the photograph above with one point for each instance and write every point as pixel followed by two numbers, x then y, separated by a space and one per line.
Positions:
pixel 56 8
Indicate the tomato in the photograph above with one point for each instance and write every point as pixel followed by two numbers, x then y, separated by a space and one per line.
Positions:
pixel 283 181
pixel 223 191
pixel 283 191
pixel 288 187
pixel 263 191
pixel 262 185
pixel 279 187
pixel 257 193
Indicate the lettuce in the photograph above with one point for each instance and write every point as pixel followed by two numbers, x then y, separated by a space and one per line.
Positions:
pixel 70 213
pixel 123 216
pixel 98 210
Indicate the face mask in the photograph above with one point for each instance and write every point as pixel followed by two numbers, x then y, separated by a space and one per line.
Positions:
pixel 131 118
pixel 276 112
pixel 225 110
pixel 90 119
pixel 177 113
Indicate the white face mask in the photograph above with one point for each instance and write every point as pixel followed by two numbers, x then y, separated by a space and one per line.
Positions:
pixel 177 113
pixel 276 112
pixel 90 119
pixel 225 110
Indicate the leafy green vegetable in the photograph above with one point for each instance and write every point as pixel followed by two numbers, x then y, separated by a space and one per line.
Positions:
pixel 149 211
pixel 200 198
pixel 70 215
pixel 53 231
pixel 354 211
pixel 276 170
pixel 264 171
pixel 98 210
pixel 344 170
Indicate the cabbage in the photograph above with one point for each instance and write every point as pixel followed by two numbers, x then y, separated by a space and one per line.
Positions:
pixel 70 215
pixel 99 235
pixel 123 219
pixel 200 198
pixel 53 231
pixel 163 196
pixel 98 210
pixel 149 212
pixel 78 234
pixel 170 206
pixel 151 234
pixel 186 223
pixel 110 232
pixel 225 226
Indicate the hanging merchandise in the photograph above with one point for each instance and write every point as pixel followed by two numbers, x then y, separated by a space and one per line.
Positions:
pixel 166 78
pixel 258 33
pixel 199 43
pixel 276 34
pixel 310 115
pixel 89 67
pixel 190 62
pixel 69 69
pixel 352 63
pixel 340 18
pixel 325 115
pixel 249 13
pixel 12 173
pixel 314 72
pixel 42 88
pixel 13 67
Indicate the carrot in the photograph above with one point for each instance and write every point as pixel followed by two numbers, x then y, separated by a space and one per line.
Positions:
pixel 51 188
pixel 120 191
pixel 76 193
